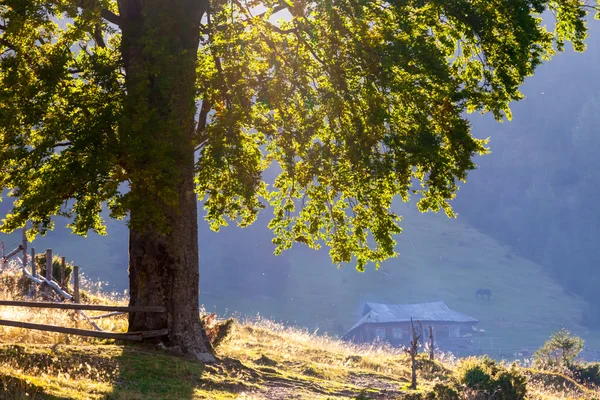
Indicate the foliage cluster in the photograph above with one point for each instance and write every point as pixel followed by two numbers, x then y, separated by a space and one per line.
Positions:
pixel 488 376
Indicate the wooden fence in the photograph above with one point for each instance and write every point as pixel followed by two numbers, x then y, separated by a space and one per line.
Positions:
pixel 49 284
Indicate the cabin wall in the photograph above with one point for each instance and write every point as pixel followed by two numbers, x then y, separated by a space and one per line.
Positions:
pixel 399 334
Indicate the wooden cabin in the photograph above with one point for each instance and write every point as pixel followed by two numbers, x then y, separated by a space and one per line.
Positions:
pixel 391 323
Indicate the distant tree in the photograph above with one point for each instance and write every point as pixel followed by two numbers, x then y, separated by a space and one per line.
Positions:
pixel 142 105
pixel 559 351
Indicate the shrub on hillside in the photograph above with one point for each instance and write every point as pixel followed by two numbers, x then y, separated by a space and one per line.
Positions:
pixel 588 374
pixel 443 392
pixel 559 351
pixel 488 376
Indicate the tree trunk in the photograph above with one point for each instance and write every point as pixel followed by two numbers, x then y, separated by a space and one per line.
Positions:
pixel 160 39
pixel 163 270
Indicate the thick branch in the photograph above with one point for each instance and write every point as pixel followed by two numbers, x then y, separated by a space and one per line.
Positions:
pixel 98 36
pixel 104 13
pixel 111 17
pixel 201 137
pixel 282 31
pixel 204 110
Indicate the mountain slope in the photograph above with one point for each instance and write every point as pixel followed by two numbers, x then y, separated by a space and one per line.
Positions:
pixel 440 259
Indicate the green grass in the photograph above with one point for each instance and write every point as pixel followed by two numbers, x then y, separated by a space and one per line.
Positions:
pixel 440 259
pixel 261 360
pixel 107 372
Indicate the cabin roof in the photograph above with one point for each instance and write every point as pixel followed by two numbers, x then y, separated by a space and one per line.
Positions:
pixel 435 311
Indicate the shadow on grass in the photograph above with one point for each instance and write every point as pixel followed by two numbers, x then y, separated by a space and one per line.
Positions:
pixel 124 371
pixel 147 373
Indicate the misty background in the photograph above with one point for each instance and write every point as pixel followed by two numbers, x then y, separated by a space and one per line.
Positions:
pixel 528 214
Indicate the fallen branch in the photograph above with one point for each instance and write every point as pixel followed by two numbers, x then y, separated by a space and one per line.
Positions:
pixel 88 319
pixel 41 280
pixel 57 289
pixel 112 314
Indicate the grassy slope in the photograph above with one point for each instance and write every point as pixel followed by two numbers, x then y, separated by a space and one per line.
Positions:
pixel 440 259
pixel 260 361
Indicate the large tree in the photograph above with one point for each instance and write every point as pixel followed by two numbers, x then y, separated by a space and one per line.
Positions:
pixel 144 105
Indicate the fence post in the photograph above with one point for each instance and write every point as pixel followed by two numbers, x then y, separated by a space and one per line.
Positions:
pixel 414 348
pixel 431 343
pixel 48 269
pixel 33 263
pixel 3 264
pixel 25 246
pixel 62 271
pixel 76 284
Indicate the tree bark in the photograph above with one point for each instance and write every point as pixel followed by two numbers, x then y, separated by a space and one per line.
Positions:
pixel 160 39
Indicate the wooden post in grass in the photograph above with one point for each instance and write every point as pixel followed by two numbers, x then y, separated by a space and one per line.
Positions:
pixel 24 245
pixel 76 284
pixel 3 260
pixel 33 263
pixel 62 271
pixel 414 346
pixel 430 343
pixel 47 290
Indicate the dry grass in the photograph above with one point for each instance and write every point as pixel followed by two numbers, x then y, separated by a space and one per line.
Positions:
pixel 260 359
pixel 13 286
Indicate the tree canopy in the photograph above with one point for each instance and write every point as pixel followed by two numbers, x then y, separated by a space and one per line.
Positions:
pixel 351 102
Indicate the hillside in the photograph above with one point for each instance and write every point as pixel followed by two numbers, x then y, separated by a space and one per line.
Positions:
pixel 260 361
pixel 440 259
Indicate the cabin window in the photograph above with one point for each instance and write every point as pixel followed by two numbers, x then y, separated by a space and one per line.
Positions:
pixel 454 331
pixel 397 333
pixel 380 333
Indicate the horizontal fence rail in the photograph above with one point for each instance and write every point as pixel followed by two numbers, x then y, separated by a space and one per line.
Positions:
pixel 77 306
pixel 14 252
pixel 134 336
